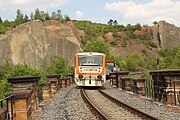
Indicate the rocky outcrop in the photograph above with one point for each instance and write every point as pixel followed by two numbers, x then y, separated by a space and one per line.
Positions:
pixel 35 43
pixel 166 35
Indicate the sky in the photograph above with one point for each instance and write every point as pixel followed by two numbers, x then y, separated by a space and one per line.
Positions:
pixel 125 12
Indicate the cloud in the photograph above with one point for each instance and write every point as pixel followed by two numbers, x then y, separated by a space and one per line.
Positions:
pixel 29 5
pixel 79 14
pixel 148 12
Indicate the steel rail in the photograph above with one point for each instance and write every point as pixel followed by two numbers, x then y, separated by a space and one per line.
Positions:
pixel 121 104
pixel 93 108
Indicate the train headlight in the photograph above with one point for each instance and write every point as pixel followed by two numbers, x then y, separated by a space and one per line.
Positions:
pixel 80 76
pixel 99 77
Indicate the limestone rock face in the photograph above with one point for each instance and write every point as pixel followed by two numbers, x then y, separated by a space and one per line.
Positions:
pixel 35 43
pixel 167 35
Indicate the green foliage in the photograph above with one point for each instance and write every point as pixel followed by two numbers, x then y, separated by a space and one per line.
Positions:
pixel 152 64
pixel 5 88
pixel 171 59
pixel 70 70
pixel 163 52
pixel 134 62
pixel 96 46
pixel 37 14
pixel 93 30
pixel 176 60
pixel 21 18
pixel 151 43
pixel 5 68
pixel 124 40
pixel 133 27
pixel 58 66
pixel 124 43
pixel 113 43
pixel 22 70
pixel 110 22
pixel 120 62
pixel 67 18
pixel 146 75
pixel 8 71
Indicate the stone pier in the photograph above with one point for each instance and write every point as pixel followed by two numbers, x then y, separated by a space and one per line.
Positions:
pixel 22 105
pixel 54 83
pixel 27 83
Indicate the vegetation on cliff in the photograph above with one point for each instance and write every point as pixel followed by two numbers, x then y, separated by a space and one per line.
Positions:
pixel 95 30
pixel 21 18
pixel 171 58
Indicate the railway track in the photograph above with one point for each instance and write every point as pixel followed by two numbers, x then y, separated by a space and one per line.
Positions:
pixel 107 108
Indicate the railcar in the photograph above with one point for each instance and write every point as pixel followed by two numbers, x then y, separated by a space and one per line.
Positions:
pixel 110 67
pixel 90 69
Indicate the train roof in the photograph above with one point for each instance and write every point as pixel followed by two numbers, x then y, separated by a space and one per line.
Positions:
pixel 90 53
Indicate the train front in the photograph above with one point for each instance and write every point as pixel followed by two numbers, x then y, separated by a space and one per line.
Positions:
pixel 90 69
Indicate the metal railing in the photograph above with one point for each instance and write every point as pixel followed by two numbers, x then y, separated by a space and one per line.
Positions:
pixel 4 105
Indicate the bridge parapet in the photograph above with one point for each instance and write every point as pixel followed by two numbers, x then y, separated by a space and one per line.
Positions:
pixel 25 83
pixel 22 105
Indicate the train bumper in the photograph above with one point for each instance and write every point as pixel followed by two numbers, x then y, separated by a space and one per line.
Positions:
pixel 89 83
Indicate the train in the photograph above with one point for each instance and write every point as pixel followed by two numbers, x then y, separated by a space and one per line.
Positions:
pixel 110 67
pixel 90 69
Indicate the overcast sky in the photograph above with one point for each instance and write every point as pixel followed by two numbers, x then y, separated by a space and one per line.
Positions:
pixel 125 12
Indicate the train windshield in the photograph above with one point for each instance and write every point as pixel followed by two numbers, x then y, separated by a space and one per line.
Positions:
pixel 92 60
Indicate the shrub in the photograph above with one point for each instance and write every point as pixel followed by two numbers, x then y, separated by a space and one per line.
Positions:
pixel 150 43
pixel 171 59
pixel 152 64
pixel 120 62
pixel 58 66
pixel 9 71
pixel 134 62
pixel 124 39
pixel 163 52
pixel 124 43
pixel 113 43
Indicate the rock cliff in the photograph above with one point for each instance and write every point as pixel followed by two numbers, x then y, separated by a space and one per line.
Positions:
pixel 166 35
pixel 35 43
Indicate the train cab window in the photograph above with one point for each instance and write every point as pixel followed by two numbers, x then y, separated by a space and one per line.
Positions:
pixel 95 60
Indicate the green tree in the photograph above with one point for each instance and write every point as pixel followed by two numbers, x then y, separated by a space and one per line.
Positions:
pixel 110 22
pixel 115 22
pixel 53 16
pixel 67 18
pixel 47 17
pixel 1 21
pixel 155 23
pixel 96 46
pixel 58 66
pixel 19 17
pixel 9 71
pixel 26 18
pixel 120 62
pixel 134 62
pixel 37 14
pixel 59 15
pixel 2 29
pixel 176 60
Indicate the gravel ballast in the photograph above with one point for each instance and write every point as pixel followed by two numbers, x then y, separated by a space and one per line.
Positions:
pixel 67 104
pixel 160 112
